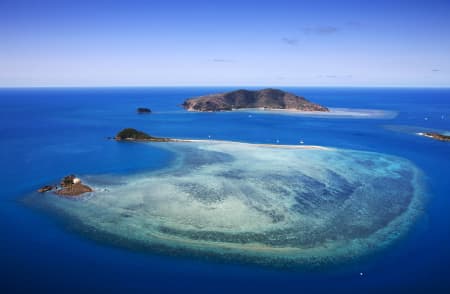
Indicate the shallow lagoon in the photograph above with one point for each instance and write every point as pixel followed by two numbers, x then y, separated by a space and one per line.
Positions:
pixel 254 203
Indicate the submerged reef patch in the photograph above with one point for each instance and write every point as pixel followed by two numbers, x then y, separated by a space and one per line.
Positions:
pixel 252 203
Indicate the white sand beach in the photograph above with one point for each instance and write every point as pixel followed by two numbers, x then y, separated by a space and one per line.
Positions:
pixel 316 147
pixel 333 113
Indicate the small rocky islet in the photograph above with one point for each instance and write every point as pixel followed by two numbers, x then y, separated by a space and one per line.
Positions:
pixel 143 110
pixel 435 136
pixel 69 186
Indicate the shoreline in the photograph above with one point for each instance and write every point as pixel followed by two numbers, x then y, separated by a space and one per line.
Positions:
pixel 133 135
pixel 279 146
pixel 435 136
pixel 211 141
pixel 333 112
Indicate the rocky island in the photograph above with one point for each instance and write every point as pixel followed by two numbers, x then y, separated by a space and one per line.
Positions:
pixel 267 99
pixel 130 134
pixel 436 136
pixel 70 186
pixel 143 110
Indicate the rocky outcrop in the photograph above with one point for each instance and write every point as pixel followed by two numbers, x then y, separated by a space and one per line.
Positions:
pixel 143 110
pixel 267 98
pixel 436 136
pixel 69 186
pixel 72 186
pixel 130 134
pixel 74 190
pixel 45 189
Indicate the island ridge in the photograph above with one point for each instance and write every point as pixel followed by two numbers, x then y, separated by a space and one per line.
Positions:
pixel 267 99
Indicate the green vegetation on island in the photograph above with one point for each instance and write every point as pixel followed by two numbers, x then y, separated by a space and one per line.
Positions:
pixel 270 99
pixel 130 134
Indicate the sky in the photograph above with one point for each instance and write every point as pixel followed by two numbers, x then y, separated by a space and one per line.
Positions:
pixel 224 43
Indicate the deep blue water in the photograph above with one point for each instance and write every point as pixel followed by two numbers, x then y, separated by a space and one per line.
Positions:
pixel 48 133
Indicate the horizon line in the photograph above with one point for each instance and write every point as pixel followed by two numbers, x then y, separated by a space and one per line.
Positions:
pixel 220 86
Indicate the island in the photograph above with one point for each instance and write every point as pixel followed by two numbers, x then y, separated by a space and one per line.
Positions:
pixel 130 134
pixel 269 99
pixel 70 186
pixel 143 110
pixel 436 136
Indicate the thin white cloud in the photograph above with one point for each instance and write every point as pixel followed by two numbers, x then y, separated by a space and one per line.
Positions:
pixel 291 42
pixel 320 30
pixel 222 60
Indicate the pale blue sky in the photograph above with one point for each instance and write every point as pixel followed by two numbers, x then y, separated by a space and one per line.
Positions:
pixel 191 43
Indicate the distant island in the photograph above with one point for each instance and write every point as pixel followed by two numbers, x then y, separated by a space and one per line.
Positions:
pixel 436 136
pixel 268 99
pixel 130 134
pixel 143 110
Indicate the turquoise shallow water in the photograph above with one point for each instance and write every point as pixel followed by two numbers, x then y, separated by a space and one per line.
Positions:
pixel 251 203
pixel 48 133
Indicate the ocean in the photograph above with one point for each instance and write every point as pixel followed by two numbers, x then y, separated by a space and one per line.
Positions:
pixel 48 133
